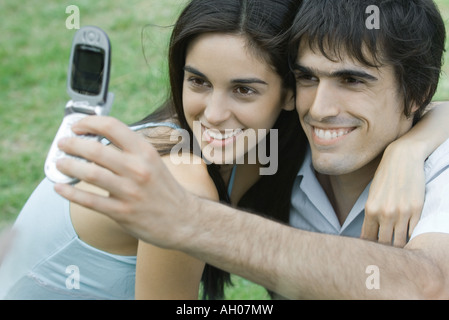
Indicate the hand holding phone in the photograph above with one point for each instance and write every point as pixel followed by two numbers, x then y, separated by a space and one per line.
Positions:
pixel 87 86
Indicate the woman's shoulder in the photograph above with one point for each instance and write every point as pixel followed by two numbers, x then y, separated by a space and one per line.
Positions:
pixel 191 172
pixel 188 169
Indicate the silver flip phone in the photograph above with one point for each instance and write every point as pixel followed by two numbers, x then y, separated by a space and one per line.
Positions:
pixel 87 86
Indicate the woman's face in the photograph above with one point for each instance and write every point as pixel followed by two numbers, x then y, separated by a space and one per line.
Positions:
pixel 231 97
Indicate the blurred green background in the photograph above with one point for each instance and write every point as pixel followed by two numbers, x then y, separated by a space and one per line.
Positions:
pixel 34 52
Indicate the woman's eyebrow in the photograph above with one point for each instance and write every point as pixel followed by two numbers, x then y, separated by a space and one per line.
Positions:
pixel 194 71
pixel 249 81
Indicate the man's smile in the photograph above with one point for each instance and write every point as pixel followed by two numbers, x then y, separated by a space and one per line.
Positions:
pixel 326 136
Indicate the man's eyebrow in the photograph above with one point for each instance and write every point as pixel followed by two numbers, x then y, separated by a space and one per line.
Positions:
pixel 347 73
pixel 344 73
pixel 240 81
pixel 298 67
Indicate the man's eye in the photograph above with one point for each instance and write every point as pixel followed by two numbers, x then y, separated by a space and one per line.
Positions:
pixel 304 78
pixel 353 81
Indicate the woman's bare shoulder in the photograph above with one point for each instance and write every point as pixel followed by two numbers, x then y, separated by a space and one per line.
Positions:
pixel 191 172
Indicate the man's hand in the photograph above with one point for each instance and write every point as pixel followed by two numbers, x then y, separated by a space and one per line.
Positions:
pixel 143 195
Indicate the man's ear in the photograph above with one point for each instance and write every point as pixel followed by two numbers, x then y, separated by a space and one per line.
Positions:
pixel 290 101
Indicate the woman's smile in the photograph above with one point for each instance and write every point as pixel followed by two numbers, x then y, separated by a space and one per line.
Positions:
pixel 218 138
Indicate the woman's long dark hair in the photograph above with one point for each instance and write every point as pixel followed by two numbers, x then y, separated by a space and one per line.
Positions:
pixel 264 24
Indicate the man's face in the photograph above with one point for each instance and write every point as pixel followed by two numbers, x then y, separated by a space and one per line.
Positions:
pixel 350 112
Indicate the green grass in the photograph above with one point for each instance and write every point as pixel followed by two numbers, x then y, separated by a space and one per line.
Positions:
pixel 34 49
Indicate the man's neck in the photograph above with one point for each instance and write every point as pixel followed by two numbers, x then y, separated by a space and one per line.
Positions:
pixel 344 190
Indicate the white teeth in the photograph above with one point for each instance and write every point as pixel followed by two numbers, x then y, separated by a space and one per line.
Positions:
pixel 331 134
pixel 219 136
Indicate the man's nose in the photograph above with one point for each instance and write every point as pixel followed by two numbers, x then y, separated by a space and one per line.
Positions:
pixel 325 103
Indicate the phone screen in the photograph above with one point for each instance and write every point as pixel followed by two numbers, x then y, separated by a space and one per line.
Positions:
pixel 87 70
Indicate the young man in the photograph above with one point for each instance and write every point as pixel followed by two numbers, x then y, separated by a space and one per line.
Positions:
pixel 351 80
pixel 358 90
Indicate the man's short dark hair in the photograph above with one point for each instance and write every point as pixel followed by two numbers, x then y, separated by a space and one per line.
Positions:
pixel 410 37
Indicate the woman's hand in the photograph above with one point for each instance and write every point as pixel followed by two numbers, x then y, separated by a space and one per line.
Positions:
pixel 397 191
pixel 396 196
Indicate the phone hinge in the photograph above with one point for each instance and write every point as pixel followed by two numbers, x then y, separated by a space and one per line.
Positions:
pixel 80 107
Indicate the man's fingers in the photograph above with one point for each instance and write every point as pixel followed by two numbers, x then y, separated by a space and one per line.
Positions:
pixel 93 151
pixel 90 173
pixel 112 129
pixel 111 161
pixel 96 202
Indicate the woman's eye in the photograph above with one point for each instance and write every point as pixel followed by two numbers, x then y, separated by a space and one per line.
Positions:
pixel 198 82
pixel 244 91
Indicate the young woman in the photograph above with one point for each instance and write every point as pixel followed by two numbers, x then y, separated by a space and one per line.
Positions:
pixel 229 77
pixel 64 251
